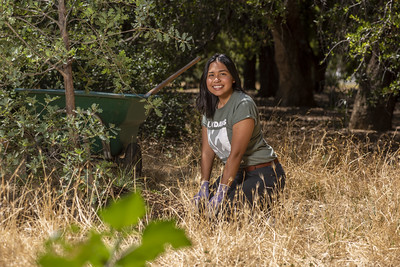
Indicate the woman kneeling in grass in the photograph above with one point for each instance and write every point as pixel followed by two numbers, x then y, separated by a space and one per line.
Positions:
pixel 231 129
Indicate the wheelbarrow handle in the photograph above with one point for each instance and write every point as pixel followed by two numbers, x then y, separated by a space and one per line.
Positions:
pixel 172 77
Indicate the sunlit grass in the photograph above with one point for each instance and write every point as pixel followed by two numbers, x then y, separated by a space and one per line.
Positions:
pixel 340 207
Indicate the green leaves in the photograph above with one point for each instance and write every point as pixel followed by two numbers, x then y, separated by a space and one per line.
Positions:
pixel 127 211
pixel 29 125
pixel 374 30
pixel 154 238
pixel 93 251
pixel 98 31
pixel 153 103
pixel 119 215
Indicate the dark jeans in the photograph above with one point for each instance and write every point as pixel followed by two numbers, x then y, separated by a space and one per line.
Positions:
pixel 254 187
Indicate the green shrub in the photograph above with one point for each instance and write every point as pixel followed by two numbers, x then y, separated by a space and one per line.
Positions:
pixel 174 119
pixel 44 140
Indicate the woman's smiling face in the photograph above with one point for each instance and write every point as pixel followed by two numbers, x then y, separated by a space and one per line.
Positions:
pixel 219 80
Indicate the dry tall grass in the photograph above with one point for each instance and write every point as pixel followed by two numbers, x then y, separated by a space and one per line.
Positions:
pixel 340 207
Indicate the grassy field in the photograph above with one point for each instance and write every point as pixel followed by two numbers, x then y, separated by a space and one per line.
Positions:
pixel 340 207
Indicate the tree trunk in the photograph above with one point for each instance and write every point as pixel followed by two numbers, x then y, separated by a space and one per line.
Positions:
pixel 269 76
pixel 293 59
pixel 249 73
pixel 67 67
pixel 319 72
pixel 372 110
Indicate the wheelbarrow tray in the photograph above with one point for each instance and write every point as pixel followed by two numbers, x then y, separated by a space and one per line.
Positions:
pixel 125 111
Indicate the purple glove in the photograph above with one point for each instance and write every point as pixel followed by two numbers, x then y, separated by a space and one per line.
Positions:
pixel 217 199
pixel 203 193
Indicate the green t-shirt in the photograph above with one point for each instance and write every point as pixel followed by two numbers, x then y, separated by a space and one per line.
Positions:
pixel 240 106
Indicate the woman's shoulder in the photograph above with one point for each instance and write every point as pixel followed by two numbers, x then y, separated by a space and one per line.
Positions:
pixel 242 97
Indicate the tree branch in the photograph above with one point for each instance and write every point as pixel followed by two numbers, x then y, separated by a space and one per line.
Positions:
pixel 31 48
pixel 336 45
pixel 41 13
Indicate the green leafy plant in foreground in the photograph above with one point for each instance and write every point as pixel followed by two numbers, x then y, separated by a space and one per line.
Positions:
pixel 121 216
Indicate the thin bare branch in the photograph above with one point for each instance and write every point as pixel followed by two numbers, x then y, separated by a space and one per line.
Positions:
pixel 41 13
pixel 32 49
pixel 336 45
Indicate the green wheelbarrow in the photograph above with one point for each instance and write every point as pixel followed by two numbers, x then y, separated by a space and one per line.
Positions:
pixel 125 111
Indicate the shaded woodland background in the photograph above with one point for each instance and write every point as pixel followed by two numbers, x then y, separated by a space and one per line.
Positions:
pixel 288 50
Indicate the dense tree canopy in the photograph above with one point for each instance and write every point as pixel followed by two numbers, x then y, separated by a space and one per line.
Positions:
pixel 110 42
pixel 365 33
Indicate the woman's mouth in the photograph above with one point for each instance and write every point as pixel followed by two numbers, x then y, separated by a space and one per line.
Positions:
pixel 217 87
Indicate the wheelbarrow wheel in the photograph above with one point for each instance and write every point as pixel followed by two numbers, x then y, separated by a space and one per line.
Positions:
pixel 133 158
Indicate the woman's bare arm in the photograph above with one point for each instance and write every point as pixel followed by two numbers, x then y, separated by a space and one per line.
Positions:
pixel 241 134
pixel 207 156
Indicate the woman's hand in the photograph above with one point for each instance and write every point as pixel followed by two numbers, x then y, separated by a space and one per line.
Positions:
pixel 203 193
pixel 216 201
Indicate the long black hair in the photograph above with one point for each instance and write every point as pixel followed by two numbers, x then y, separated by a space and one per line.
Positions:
pixel 206 102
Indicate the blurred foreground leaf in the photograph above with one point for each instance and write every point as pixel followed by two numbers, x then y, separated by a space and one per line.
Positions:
pixel 155 237
pixel 50 260
pixel 125 212
pixel 92 250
